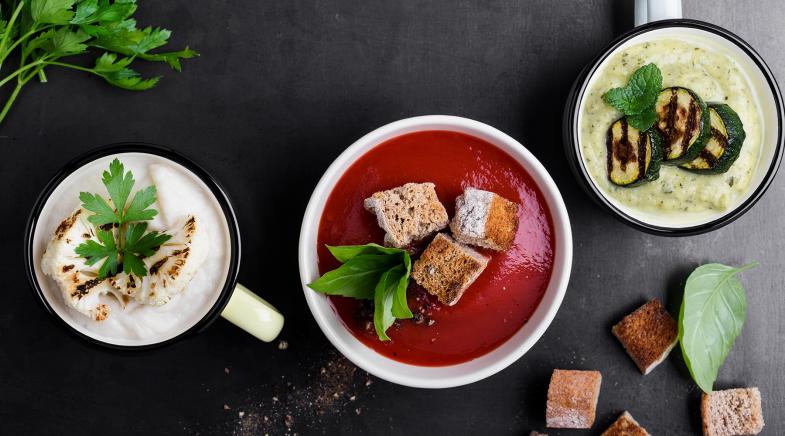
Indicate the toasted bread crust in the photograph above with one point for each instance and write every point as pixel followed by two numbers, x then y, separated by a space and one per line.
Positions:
pixel 447 268
pixel 502 223
pixel 408 213
pixel 732 412
pixel 484 219
pixel 572 398
pixel 648 334
pixel 626 425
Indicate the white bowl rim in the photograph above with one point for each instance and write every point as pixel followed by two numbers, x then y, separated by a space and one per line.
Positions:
pixel 559 217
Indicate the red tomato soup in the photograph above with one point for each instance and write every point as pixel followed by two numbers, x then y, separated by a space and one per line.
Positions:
pixel 505 295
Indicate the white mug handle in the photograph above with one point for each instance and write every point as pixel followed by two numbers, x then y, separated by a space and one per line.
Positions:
pixel 647 11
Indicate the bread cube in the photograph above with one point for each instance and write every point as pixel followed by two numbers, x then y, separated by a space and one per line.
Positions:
pixel 732 412
pixel 408 213
pixel 485 219
pixel 648 334
pixel 446 268
pixel 626 425
pixel 572 398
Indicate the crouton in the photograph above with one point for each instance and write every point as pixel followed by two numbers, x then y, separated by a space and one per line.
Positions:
pixel 484 219
pixel 648 334
pixel 446 268
pixel 626 425
pixel 732 412
pixel 408 213
pixel 572 398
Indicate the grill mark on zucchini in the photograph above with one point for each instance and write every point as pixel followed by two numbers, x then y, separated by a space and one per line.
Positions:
pixel 682 119
pixel 633 157
pixel 670 126
pixel 724 144
pixel 622 153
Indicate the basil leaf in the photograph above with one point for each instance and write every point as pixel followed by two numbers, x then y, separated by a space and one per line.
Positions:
pixel 357 278
pixel 345 252
pixel 711 317
pixel 384 295
pixel 400 308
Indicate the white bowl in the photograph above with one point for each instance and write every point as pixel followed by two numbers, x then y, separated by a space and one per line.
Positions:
pixel 442 376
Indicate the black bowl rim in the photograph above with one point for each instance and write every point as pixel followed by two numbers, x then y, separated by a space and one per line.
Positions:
pixel 579 170
pixel 165 152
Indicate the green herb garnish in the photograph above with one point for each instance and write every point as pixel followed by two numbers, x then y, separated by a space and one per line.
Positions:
pixel 123 240
pixel 638 98
pixel 711 317
pixel 371 272
pixel 43 32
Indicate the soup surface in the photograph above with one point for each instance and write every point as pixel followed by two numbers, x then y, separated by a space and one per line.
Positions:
pixel 505 295
pixel 713 75
pixel 180 193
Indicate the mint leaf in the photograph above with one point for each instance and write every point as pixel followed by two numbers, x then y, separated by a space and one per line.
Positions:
pixel 102 212
pixel 638 98
pixel 52 11
pixel 711 317
pixel 94 252
pixel 643 120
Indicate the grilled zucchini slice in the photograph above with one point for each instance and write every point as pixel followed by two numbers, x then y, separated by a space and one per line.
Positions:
pixel 724 144
pixel 683 122
pixel 633 156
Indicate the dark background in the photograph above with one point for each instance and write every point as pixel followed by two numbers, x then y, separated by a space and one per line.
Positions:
pixel 281 89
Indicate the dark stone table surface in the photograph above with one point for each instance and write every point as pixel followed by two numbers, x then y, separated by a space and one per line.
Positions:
pixel 281 89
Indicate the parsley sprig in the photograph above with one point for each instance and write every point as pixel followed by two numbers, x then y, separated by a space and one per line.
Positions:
pixel 122 233
pixel 42 32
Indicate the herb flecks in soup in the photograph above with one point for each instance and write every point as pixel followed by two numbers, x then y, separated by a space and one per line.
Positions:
pixel 705 182
pixel 476 283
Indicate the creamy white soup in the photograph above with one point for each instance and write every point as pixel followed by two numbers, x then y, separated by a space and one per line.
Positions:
pixel 713 75
pixel 180 194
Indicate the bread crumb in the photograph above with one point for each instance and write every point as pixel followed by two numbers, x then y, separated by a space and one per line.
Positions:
pixel 226 407
pixel 283 345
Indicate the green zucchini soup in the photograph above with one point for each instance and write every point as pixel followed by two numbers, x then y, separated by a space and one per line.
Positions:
pixel 700 85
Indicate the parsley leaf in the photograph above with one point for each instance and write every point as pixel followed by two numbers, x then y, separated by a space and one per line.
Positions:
pixel 103 213
pixel 51 11
pixel 134 242
pixel 118 184
pixel 138 245
pixel 638 98
pixel 141 243
pixel 94 252
pixel 43 32
pixel 371 272
pixel 138 209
